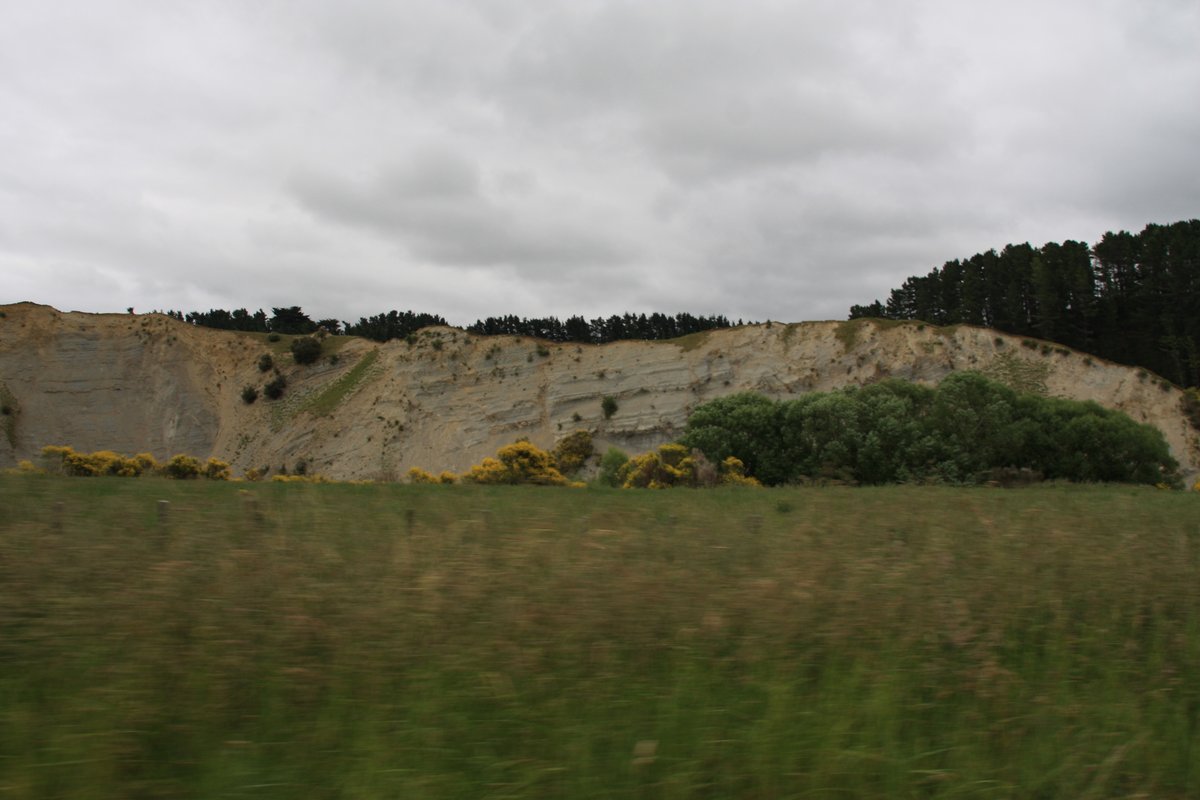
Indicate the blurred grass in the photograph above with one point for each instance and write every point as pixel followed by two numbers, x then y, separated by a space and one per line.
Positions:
pixel 293 640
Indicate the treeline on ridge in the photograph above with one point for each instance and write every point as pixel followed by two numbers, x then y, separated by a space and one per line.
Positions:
pixel 1130 298
pixel 400 324
pixel 968 429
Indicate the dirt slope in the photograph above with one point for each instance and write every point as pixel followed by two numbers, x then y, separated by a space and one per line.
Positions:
pixel 136 383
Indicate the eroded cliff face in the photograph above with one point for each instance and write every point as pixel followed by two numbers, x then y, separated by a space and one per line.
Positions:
pixel 152 384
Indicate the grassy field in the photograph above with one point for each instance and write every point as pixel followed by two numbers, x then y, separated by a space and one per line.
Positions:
pixel 290 640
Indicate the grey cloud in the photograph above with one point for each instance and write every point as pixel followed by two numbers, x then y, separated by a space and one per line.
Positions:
pixel 436 207
pixel 760 159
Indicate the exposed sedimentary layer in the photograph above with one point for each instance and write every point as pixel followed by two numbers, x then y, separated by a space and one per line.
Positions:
pixel 148 383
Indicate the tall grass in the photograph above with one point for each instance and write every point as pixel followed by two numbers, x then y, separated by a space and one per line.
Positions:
pixel 289 640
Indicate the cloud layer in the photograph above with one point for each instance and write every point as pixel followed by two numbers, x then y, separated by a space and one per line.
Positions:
pixel 761 160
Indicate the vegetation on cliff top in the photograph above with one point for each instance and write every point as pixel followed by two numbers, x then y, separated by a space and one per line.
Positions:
pixel 1130 298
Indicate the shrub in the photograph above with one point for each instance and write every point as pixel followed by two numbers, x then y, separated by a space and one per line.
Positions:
pixel 272 337
pixel 733 473
pixel 265 362
pixel 958 432
pixel 610 467
pixel 249 394
pixel 274 389
pixel 306 350
pixel 447 477
pixel 418 475
pixel 146 463
pixel 519 462
pixel 572 451
pixel 216 470
pixel 670 465
pixel 609 406
pixel 182 467
pixel 101 462
pixel 54 456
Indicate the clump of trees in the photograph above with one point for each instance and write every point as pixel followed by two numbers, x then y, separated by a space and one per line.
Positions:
pixel 392 325
pixel 962 431
pixel 614 328
pixel 1130 298
pixel 401 324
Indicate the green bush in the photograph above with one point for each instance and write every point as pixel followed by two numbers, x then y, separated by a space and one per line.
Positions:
pixel 959 432
pixel 306 350
pixel 274 389
pixel 610 467
pixel 609 406
pixel 265 362
pixel 249 394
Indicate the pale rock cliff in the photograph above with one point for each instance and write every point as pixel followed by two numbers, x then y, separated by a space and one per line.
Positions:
pixel 148 383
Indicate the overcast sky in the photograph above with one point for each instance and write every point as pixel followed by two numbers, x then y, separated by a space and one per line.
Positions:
pixel 759 159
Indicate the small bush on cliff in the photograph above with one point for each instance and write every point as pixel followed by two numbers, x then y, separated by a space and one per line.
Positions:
pixel 306 350
pixel 265 362
pixel 249 395
pixel 274 389
pixel 609 406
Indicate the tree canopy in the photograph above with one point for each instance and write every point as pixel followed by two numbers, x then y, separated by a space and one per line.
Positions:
pixel 399 324
pixel 962 431
pixel 1130 298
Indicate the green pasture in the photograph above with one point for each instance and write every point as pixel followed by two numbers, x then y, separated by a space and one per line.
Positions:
pixel 381 641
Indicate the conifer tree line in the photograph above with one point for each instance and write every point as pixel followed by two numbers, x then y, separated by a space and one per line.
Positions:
pixel 600 330
pixel 1130 298
pixel 399 324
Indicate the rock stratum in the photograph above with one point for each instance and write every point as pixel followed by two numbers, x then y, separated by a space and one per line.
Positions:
pixel 443 401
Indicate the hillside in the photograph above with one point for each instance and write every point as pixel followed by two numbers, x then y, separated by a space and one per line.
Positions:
pixel 135 383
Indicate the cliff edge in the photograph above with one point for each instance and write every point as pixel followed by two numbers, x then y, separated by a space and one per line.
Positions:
pixel 446 398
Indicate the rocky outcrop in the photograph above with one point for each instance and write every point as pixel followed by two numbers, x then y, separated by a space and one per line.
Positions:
pixel 447 399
